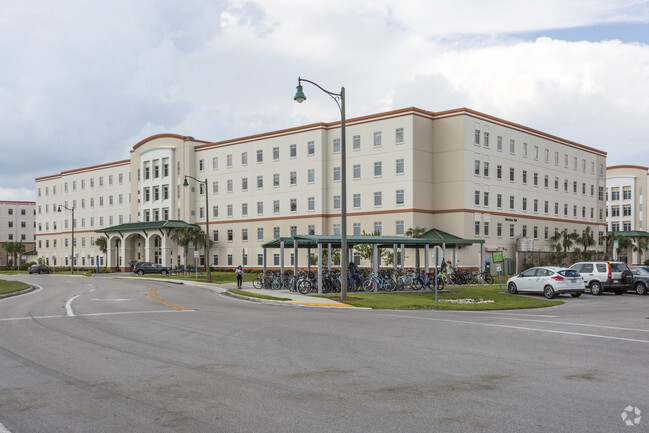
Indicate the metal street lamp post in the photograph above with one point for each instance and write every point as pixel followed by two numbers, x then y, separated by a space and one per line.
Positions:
pixel 339 98
pixel 72 210
pixel 207 225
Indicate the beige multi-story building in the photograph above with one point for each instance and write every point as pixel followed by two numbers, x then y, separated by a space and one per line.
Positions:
pixel 626 208
pixel 464 172
pixel 17 224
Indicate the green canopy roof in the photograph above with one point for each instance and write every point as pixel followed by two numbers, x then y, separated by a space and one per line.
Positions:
pixel 148 225
pixel 436 237
pixel 632 234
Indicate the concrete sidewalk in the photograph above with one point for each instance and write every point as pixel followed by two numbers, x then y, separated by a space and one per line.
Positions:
pixel 294 298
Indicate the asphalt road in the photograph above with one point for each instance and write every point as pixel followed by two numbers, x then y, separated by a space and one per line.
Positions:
pixel 115 355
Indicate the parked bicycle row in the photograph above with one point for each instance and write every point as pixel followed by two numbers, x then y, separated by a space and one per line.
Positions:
pixel 386 280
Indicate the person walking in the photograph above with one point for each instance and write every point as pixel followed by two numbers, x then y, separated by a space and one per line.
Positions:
pixel 239 272
pixel 449 272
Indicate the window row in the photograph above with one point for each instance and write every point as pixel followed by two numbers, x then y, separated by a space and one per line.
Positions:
pixel 481 198
pixel 82 184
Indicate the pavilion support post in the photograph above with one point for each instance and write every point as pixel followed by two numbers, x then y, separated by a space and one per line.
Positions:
pixel 394 256
pixel 403 255
pixel 329 259
pixel 320 268
pixel 281 258
pixel 426 257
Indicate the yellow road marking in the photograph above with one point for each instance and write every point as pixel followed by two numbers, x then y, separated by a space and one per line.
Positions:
pixel 153 295
pixel 322 304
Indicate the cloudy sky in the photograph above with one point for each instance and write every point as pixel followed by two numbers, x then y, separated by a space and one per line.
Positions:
pixel 81 82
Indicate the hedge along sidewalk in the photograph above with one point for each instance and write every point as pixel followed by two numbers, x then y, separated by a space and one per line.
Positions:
pixel 11 287
pixel 426 300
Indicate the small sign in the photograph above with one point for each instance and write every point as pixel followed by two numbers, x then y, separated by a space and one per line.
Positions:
pixel 499 267
pixel 196 253
pixel 497 256
pixel 615 244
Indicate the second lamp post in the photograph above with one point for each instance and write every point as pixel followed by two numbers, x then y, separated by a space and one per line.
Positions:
pixel 207 225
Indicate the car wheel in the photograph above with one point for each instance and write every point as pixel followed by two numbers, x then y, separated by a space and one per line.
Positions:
pixel 619 291
pixel 40 272
pixel 575 295
pixel 596 288
pixel 549 293
pixel 163 272
pixel 140 272
pixel 640 288
pixel 511 288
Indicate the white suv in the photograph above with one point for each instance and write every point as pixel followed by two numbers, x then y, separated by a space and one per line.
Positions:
pixel 605 276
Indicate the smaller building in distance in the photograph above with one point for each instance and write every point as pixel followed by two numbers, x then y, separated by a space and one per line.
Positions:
pixel 626 207
pixel 17 224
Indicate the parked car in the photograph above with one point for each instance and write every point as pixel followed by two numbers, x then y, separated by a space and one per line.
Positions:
pixel 640 279
pixel 151 268
pixel 605 276
pixel 39 269
pixel 549 280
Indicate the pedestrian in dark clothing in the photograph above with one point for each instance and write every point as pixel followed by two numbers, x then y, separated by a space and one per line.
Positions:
pixel 239 272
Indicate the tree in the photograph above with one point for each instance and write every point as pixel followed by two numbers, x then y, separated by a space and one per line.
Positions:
pixel 14 248
pixel 564 240
pixel 416 233
pixel 190 235
pixel 102 244
pixel 365 250
pixel 586 240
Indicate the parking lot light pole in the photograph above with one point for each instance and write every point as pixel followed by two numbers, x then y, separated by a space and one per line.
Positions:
pixel 72 210
pixel 339 98
pixel 207 225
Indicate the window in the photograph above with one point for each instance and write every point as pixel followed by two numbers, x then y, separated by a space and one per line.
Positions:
pixel 244 234
pixel 400 166
pixel 357 200
pixel 275 153
pixel 244 158
pixel 215 211
pixel 485 197
pixel 244 184
pixel 336 202
pixel 512 147
pixel 524 150
pixel 499 229
pixel 357 229
pixel 260 207
pixel 377 139
pixel 275 206
pixel 260 155
pixel 546 181
pixel 293 205
pixel 378 199
pixel 476 229
pixel 524 203
pixel 293 177
pixel 615 195
pixel 310 146
pixel 260 181
pixel 486 139
pixel 499 172
pixel 311 175
pixel 499 143
pixel 215 187
pixel 400 229
pixel 511 202
pixel 499 200
pixel 536 179
pixel 201 167
pixel 229 210
pixel 378 227
pixel 399 135
pixel 536 205
pixel 476 167
pixel 276 233
pixel 336 173
pixel 476 136
pixel 378 168
pixel 336 145
pixel 626 194
pixel 485 169
pixel 244 209
pixel 400 196
pixel 311 203
pixel 275 179
pixel 229 161
pixel 356 142
pixel 524 176
pixel 215 163
pixel 260 233
pixel 357 171
pixel 485 227
pixel 229 187
pixel 292 151
pixel 476 198
pixel 511 174
pixel 230 234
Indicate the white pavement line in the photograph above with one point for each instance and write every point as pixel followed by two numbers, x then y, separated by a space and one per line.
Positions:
pixel 576 324
pixel 10 319
pixel 25 294
pixel 3 429
pixel 68 306
pixel 522 328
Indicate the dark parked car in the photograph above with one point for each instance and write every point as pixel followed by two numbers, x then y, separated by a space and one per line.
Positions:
pixel 39 269
pixel 151 268
pixel 640 279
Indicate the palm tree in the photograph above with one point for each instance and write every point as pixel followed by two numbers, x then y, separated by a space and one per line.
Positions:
pixel 102 244
pixel 564 240
pixel 190 235
pixel 586 240
pixel 416 233
pixel 14 248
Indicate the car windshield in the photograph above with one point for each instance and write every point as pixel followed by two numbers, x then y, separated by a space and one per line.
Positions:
pixel 569 273
pixel 618 267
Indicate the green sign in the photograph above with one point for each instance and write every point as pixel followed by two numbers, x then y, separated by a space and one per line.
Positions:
pixel 497 256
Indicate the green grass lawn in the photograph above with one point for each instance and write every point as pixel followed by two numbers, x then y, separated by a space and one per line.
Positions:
pixel 426 300
pixel 217 277
pixel 11 286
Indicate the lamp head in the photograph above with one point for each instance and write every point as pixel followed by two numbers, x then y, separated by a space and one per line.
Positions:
pixel 299 95
pixel 59 210
pixel 185 183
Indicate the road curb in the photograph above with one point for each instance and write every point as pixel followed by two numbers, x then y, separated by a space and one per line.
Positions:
pixel 19 292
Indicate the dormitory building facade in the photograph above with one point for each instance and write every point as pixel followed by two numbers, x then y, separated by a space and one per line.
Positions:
pixel 461 171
